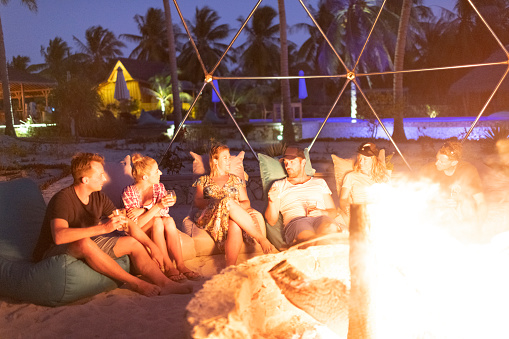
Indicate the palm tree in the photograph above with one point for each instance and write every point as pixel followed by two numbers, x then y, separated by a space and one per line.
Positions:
pixel 152 42
pixel 172 57
pixel 207 36
pixel 56 60
pixel 20 62
pixel 288 132
pixel 4 75
pixel 399 57
pixel 310 49
pixel 259 55
pixel 100 47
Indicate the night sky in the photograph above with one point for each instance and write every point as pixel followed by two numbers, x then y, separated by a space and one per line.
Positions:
pixel 25 32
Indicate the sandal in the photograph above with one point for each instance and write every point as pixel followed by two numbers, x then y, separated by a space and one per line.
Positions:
pixel 191 275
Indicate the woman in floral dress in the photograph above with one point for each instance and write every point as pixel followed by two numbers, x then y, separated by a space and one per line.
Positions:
pixel 220 206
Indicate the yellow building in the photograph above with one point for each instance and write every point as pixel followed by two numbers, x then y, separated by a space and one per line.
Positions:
pixel 137 75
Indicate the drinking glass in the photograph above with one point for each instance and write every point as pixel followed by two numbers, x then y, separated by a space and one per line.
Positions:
pixel 122 212
pixel 171 194
pixel 310 207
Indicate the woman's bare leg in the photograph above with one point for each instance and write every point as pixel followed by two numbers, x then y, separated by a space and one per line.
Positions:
pixel 174 246
pixel 158 237
pixel 244 220
pixel 233 243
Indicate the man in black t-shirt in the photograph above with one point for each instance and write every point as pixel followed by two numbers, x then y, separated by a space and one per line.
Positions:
pixel 459 182
pixel 79 222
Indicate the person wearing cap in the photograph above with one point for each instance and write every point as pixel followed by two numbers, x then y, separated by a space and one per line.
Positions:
pixel 460 184
pixel 369 169
pixel 305 202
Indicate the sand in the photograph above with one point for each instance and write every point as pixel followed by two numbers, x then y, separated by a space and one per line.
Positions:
pixel 122 313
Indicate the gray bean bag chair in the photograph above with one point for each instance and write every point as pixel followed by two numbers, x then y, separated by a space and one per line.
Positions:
pixel 51 282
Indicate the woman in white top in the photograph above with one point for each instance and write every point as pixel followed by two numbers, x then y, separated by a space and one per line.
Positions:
pixel 368 170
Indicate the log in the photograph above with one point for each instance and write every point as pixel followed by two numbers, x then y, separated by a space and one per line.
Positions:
pixel 360 325
pixel 325 299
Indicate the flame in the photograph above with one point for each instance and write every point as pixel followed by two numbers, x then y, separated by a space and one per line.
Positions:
pixel 426 282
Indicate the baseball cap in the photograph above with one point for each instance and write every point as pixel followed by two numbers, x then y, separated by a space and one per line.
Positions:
pixel 293 152
pixel 368 149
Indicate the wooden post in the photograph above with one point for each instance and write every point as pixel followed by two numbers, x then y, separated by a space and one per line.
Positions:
pixel 360 325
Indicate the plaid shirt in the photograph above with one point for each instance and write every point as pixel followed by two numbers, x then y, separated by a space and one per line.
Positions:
pixel 131 198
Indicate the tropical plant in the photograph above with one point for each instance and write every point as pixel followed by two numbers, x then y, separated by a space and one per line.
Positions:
pixel 162 89
pixel 77 104
pixel 4 77
pixel 207 36
pixel 100 46
pixel 152 41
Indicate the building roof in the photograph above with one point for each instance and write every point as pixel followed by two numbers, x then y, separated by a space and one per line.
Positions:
pixel 483 78
pixel 142 71
pixel 32 84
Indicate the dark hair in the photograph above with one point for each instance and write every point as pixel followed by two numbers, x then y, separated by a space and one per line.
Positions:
pixel 452 149
pixel 81 164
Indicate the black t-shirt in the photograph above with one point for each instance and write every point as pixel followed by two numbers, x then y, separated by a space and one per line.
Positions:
pixel 462 185
pixel 66 205
pixel 465 181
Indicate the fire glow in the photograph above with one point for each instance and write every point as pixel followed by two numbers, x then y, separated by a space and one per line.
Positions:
pixel 424 282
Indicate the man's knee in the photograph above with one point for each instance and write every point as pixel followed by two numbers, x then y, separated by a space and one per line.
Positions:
pixel 82 248
pixel 328 228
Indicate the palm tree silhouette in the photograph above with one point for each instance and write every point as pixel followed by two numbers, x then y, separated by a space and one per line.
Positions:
pixel 4 75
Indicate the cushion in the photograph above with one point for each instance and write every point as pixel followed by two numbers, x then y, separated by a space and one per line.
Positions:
pixel 271 170
pixel 53 281
pixel 341 168
pixel 119 176
pixel 203 243
pixel 201 165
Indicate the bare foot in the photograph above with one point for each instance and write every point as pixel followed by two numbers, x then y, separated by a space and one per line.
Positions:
pixel 267 247
pixel 172 287
pixel 174 275
pixel 189 274
pixel 145 288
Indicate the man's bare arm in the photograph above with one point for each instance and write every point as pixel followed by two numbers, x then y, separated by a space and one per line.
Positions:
pixel 63 234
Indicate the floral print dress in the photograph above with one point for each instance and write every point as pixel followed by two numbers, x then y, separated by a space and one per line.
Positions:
pixel 215 217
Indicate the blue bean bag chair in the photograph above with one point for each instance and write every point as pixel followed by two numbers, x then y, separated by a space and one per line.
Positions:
pixel 54 281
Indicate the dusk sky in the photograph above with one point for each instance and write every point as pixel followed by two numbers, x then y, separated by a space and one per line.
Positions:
pixel 25 32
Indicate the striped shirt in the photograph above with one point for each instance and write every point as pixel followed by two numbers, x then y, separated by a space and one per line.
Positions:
pixel 296 198
pixel 357 182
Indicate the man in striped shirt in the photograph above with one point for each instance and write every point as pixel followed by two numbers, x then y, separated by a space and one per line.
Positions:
pixel 305 202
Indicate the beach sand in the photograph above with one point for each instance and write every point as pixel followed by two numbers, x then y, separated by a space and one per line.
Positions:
pixel 122 313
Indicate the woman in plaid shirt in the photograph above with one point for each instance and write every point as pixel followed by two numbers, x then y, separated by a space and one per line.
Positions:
pixel 147 203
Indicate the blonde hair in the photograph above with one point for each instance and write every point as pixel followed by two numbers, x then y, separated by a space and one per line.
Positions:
pixel 81 164
pixel 378 170
pixel 214 154
pixel 141 166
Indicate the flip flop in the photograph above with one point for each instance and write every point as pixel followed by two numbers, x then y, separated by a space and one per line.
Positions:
pixel 192 275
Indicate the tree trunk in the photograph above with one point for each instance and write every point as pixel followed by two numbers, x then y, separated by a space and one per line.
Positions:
pixel 177 105
pixel 4 78
pixel 399 58
pixel 286 113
